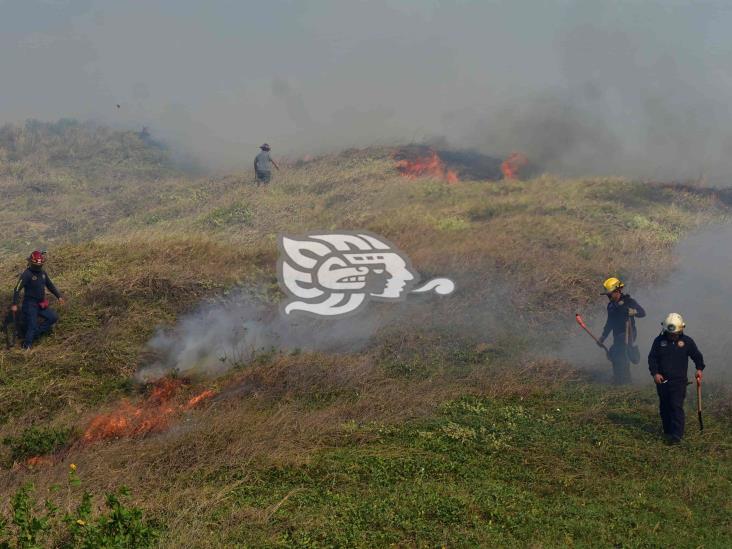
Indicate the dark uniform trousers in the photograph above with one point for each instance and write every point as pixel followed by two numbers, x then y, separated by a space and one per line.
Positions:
pixel 669 357
pixel 621 363
pixel 671 397
pixel 31 311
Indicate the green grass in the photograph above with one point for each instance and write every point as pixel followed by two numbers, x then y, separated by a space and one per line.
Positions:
pixel 36 441
pixel 538 471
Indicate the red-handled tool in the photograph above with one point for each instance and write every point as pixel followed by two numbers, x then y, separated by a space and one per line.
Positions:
pixel 582 324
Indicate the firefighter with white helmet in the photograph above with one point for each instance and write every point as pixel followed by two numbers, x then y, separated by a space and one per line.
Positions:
pixel 668 363
pixel 622 310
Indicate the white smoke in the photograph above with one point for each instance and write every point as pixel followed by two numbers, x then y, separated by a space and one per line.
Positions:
pixel 231 332
pixel 227 333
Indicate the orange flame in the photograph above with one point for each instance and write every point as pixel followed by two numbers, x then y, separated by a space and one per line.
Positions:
pixel 152 416
pixel 165 389
pixel 208 393
pixel 426 166
pixel 36 461
pixel 513 165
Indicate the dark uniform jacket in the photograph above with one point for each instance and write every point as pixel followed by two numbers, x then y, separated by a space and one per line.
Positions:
pixel 34 282
pixel 617 313
pixel 671 358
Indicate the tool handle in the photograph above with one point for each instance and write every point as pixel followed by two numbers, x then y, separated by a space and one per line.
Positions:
pixel 698 397
pixel 699 405
pixel 582 324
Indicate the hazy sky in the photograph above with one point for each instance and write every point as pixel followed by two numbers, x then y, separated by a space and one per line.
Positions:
pixel 617 87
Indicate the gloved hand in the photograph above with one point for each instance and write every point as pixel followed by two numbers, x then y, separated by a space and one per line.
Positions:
pixel 632 311
pixel 14 308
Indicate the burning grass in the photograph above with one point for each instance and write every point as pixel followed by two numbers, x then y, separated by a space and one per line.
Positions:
pixel 515 166
pixel 130 420
pixel 152 415
pixel 423 162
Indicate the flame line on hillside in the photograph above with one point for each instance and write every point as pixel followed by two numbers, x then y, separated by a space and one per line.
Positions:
pixel 153 415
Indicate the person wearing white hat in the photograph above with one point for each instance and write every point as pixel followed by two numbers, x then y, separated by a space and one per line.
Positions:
pixel 668 363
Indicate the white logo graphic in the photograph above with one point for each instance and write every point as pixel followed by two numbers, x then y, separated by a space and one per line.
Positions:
pixel 335 274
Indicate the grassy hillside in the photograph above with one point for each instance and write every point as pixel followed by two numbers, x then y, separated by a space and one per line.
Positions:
pixel 423 439
pixel 69 181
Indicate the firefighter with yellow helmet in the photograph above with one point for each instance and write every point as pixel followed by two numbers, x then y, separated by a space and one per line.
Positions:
pixel 622 310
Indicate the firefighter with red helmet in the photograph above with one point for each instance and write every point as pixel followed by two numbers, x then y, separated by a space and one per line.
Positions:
pixel 33 282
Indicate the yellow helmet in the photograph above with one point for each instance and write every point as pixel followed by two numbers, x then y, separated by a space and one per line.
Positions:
pixel 612 284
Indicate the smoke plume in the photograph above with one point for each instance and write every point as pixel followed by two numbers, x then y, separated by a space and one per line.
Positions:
pixel 579 86
pixel 223 334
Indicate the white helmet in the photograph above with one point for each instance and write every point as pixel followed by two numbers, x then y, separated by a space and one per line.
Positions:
pixel 673 324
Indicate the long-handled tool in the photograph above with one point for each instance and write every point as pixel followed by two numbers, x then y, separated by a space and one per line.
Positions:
pixel 10 327
pixel 698 405
pixel 582 324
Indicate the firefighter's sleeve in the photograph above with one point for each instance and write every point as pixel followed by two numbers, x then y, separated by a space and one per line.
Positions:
pixel 695 355
pixel 52 288
pixel 653 365
pixel 606 330
pixel 18 287
pixel 641 311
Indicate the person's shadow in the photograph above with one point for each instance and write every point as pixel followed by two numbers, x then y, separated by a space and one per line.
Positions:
pixel 635 422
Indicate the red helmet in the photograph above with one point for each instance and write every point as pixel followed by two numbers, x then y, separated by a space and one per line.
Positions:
pixel 36 258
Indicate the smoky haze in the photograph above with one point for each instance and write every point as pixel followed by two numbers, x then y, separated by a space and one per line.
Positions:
pixel 582 87
pixel 699 288
pixel 230 332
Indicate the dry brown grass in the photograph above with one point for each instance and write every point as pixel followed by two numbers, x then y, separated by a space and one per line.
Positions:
pixel 118 293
